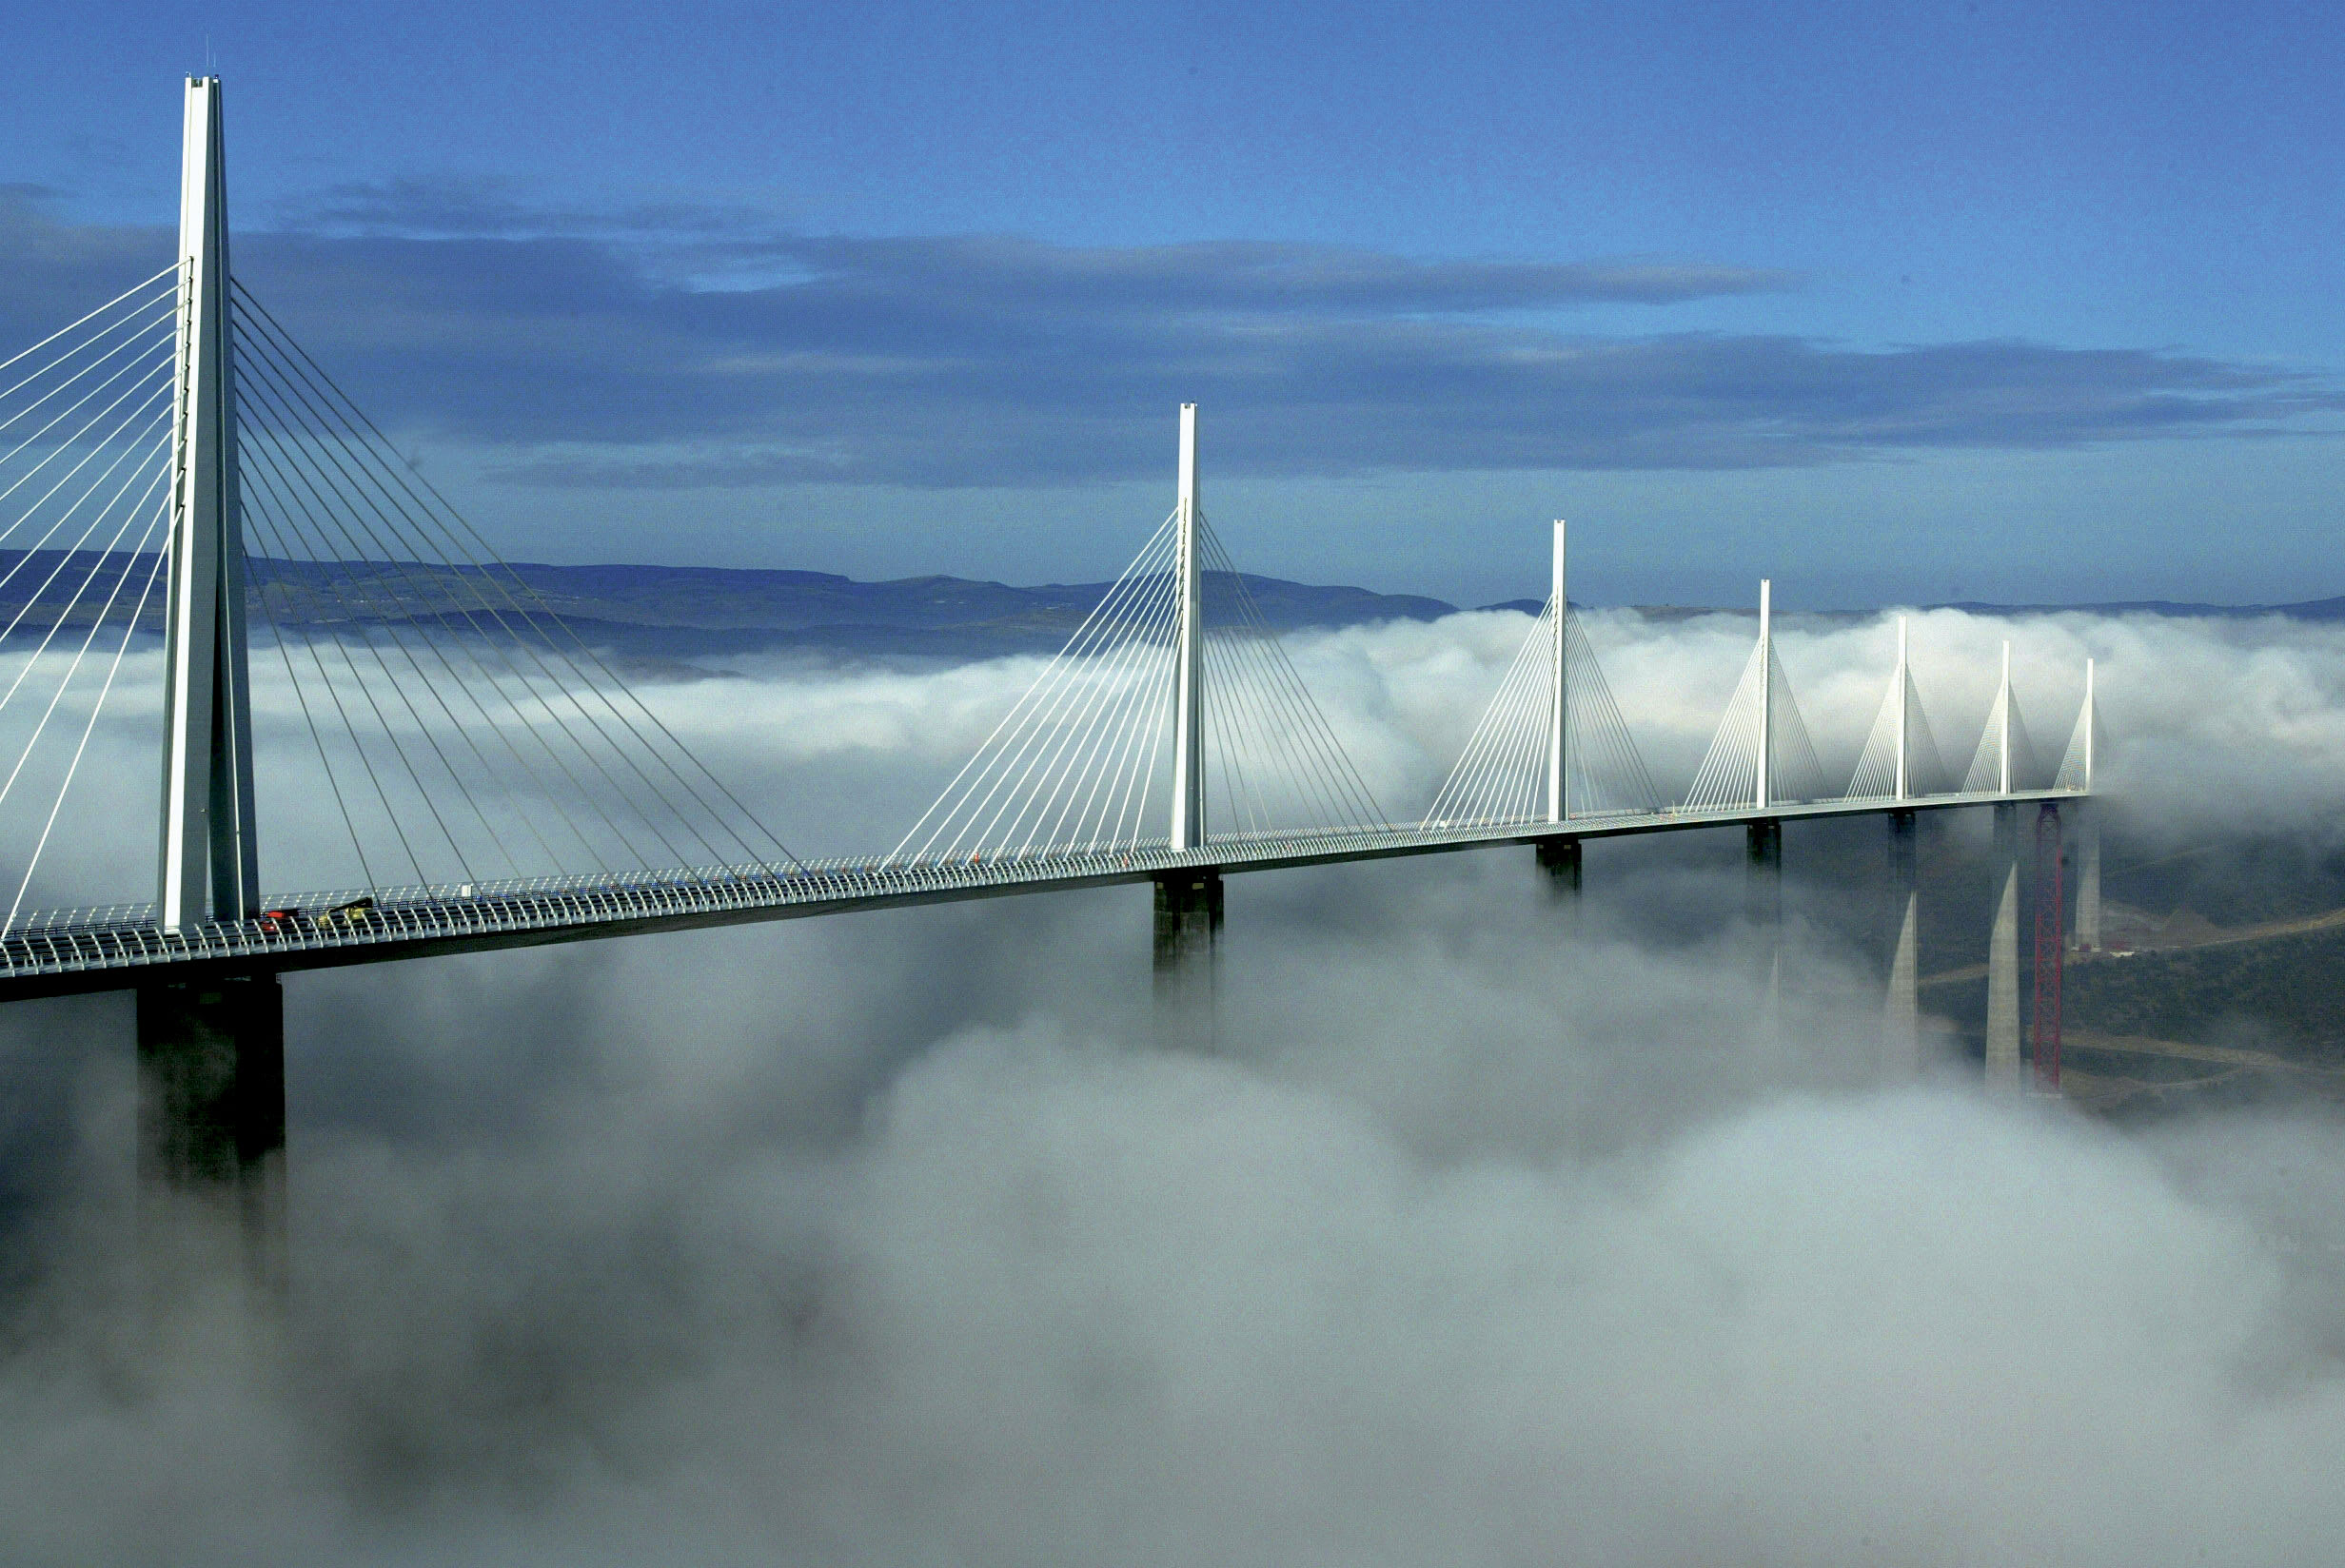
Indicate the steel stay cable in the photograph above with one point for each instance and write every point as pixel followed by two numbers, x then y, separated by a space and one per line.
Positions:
pixel 160 351
pixel 1240 736
pixel 646 820
pixel 278 491
pixel 995 754
pixel 1247 726
pixel 287 517
pixel 1254 653
pixel 1139 752
pixel 156 327
pixel 264 464
pixel 1036 711
pixel 1246 733
pixel 1925 742
pixel 286 445
pixel 1636 780
pixel 1877 760
pixel 159 449
pixel 1103 723
pixel 1275 732
pixel 1051 731
pixel 157 395
pixel 1133 811
pixel 1735 738
pixel 1314 759
pixel 355 419
pixel 2023 760
pixel 1730 767
pixel 276 504
pixel 505 699
pixel 1520 741
pixel 259 515
pixel 1459 792
pixel 552 712
pixel 1070 733
pixel 1801 766
pixel 172 271
pixel 1458 796
pixel 1491 789
pixel 1720 775
pixel 1523 702
pixel 1107 732
pixel 1982 772
pixel 95 567
pixel 1124 728
pixel 333 782
pixel 464 731
pixel 33 863
pixel 1019 708
pixel 75 668
pixel 1154 661
pixel 1227 757
pixel 1352 792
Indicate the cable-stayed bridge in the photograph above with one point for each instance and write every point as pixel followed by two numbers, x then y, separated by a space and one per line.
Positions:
pixel 191 504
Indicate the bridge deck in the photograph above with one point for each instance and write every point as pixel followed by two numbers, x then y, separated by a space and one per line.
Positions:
pixel 122 946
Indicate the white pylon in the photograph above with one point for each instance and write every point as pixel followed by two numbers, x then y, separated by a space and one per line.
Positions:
pixel 1189 696
pixel 2002 741
pixel 1904 686
pixel 1559 709
pixel 2088 726
pixel 1766 690
pixel 210 851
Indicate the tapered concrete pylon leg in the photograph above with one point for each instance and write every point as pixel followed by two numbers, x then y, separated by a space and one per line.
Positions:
pixel 1900 1025
pixel 212 1129
pixel 2002 1052
pixel 2088 877
pixel 1187 929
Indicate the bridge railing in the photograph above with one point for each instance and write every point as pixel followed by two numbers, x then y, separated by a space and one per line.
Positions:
pixel 129 937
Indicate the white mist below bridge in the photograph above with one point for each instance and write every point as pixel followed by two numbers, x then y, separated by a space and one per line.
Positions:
pixel 175 455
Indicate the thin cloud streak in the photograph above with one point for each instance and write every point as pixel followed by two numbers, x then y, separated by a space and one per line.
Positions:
pixel 600 351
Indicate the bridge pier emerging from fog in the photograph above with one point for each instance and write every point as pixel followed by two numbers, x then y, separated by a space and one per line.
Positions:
pixel 1188 910
pixel 1900 1026
pixel 211 1120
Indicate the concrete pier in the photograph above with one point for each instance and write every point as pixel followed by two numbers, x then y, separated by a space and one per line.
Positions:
pixel 1763 882
pixel 212 1128
pixel 1188 927
pixel 1763 894
pixel 1558 866
pixel 1900 1024
pixel 2002 1052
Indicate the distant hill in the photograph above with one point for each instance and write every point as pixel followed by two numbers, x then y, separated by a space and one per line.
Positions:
pixel 685 611
pixel 681 611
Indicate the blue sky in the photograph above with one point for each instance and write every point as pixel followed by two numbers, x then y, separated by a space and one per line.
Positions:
pixel 1895 302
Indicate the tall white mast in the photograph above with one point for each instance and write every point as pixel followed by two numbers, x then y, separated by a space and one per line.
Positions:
pixel 210 851
pixel 1189 696
pixel 1905 683
pixel 2088 726
pixel 1766 687
pixel 1558 711
pixel 2003 706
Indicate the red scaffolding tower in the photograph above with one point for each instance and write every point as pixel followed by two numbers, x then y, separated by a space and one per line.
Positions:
pixel 2051 950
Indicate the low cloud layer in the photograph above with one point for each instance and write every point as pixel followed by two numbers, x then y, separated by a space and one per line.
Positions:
pixel 687 350
pixel 2212 729
pixel 890 1238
